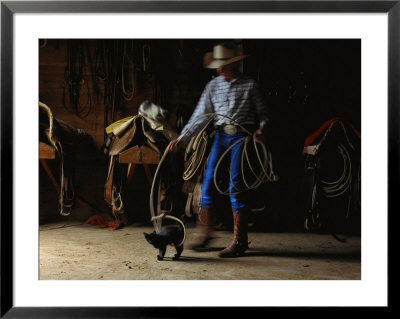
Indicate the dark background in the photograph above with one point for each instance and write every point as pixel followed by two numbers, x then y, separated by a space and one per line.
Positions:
pixel 305 82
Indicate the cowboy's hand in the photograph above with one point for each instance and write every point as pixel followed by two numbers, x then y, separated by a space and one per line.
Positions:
pixel 173 146
pixel 260 135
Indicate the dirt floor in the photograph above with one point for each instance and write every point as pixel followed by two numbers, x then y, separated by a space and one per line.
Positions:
pixel 78 251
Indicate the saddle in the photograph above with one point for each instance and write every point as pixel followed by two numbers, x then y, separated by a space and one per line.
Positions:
pixel 332 175
pixel 132 140
pixel 63 138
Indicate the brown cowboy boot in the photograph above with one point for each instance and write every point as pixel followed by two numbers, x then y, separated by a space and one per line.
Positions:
pixel 240 240
pixel 203 227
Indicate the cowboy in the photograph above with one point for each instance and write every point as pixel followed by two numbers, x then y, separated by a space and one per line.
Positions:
pixel 238 99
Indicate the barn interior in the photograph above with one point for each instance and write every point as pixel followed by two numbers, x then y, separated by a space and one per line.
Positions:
pixel 312 89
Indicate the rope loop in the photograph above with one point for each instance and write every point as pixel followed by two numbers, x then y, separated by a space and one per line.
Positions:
pixel 164 215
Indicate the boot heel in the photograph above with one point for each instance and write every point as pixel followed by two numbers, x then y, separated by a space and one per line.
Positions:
pixel 203 226
pixel 240 240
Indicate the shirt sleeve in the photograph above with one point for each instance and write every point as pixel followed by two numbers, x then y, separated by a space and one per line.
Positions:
pixel 259 104
pixel 194 125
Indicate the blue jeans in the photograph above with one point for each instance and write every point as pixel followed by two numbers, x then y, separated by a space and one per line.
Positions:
pixel 221 143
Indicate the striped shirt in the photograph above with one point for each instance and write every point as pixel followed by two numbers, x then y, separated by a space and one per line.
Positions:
pixel 239 99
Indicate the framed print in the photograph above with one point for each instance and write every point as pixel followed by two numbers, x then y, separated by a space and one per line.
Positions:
pixel 108 73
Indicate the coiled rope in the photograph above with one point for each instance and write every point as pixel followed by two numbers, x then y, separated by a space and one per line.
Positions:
pixel 266 172
pixel 341 185
pixel 199 144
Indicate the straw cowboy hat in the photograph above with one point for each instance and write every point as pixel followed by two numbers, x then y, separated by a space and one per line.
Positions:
pixel 223 54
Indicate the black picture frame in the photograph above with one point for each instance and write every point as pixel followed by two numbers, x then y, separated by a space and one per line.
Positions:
pixel 9 8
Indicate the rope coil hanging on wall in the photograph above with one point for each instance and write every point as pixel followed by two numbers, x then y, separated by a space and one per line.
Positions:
pixel 333 174
pixel 76 79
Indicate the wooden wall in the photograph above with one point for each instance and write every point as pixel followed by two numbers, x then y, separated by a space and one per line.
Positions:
pixel 166 72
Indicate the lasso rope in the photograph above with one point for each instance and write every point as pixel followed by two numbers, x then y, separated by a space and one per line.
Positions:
pixel 265 165
pixel 196 159
pixel 266 172
pixel 164 215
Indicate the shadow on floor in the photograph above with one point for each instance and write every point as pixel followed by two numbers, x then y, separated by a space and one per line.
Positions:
pixel 353 256
pixel 193 259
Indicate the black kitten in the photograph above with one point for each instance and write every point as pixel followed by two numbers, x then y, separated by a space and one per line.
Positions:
pixel 168 235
